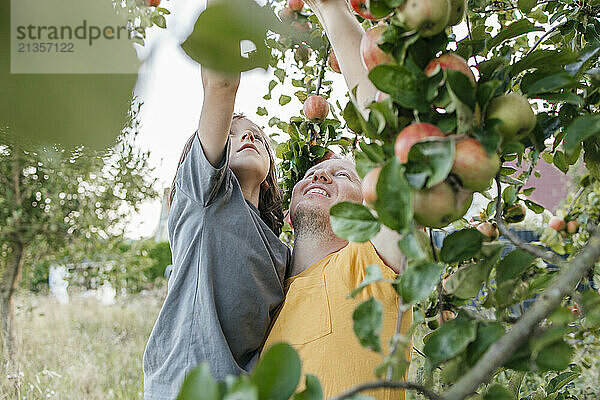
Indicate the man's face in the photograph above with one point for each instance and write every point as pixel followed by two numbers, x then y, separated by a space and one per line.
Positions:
pixel 324 185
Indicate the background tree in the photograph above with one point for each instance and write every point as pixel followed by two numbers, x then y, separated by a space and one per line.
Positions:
pixel 53 198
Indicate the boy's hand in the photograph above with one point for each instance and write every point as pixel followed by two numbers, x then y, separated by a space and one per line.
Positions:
pixel 219 80
pixel 317 5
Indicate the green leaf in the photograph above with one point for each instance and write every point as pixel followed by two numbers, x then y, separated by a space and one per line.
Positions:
pixel 401 84
pixel 450 339
pixel 215 40
pixel 541 58
pixel 515 29
pixel 560 161
pixel 283 100
pixel 466 282
pixel 368 322
pixel 411 246
pixel 498 392
pixel 394 196
pixel 486 91
pixel 535 207
pixel 555 356
pixel 509 195
pixel 199 384
pixel 585 57
pixel 159 21
pixel 487 334
pixel 580 129
pixel 591 305
pixel 417 281
pixel 560 381
pixel 461 87
pixel 526 5
pixel 461 245
pixel 261 111
pixel 353 222
pixel 551 83
pixel 438 154
pixel 373 275
pixel 277 373
pixel 513 265
pixel 313 389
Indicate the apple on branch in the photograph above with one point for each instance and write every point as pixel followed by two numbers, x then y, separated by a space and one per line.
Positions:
pixel 371 54
pixel 152 3
pixel 489 230
pixel 451 61
pixel 473 165
pixel 440 205
pixel 316 108
pixel 516 118
pixel 557 223
pixel 296 5
pixel 411 135
pixel 428 17
pixel 333 62
pixel 369 186
pixel 362 9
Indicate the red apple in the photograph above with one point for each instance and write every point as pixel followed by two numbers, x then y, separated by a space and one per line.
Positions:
pixel 360 7
pixel 572 226
pixel 333 62
pixel 316 108
pixel 371 54
pixel 440 205
pixel 473 165
pixel 152 3
pixel 287 15
pixel 369 186
pixel 452 61
pixel 515 114
pixel 411 135
pixel 489 230
pixel 457 11
pixel 557 223
pixel 429 17
pixel 296 5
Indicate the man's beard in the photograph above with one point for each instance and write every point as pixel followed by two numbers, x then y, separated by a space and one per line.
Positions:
pixel 311 222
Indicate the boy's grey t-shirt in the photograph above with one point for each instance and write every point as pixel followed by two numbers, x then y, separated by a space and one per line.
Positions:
pixel 227 280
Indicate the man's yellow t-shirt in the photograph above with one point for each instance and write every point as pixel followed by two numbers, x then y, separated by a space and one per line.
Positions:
pixel 316 319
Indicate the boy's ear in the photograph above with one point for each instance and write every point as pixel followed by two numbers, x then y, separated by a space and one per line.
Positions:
pixel 287 219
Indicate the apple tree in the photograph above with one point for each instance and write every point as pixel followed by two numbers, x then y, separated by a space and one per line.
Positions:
pixel 54 200
pixel 464 89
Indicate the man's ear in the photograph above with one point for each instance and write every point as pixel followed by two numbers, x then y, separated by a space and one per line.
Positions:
pixel 264 185
pixel 287 218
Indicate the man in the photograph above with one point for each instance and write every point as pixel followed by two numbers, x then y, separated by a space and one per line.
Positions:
pixel 316 316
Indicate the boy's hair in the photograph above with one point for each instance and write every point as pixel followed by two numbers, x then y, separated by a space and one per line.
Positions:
pixel 270 198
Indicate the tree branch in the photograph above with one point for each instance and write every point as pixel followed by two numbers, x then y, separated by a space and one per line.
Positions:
pixel 501 351
pixel 322 72
pixel 514 239
pixel 544 36
pixel 392 385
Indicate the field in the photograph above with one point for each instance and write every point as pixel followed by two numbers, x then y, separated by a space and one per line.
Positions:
pixel 83 350
pixel 86 350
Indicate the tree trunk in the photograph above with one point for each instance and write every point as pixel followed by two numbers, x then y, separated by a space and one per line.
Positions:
pixel 8 287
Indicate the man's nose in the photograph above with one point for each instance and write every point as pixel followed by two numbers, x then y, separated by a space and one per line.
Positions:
pixel 248 135
pixel 321 176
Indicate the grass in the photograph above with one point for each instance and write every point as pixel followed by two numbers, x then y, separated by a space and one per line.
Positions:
pixel 83 350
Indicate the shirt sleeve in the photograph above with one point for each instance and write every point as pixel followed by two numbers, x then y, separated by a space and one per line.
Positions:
pixel 198 179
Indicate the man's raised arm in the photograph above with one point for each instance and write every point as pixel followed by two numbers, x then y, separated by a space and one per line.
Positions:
pixel 344 33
